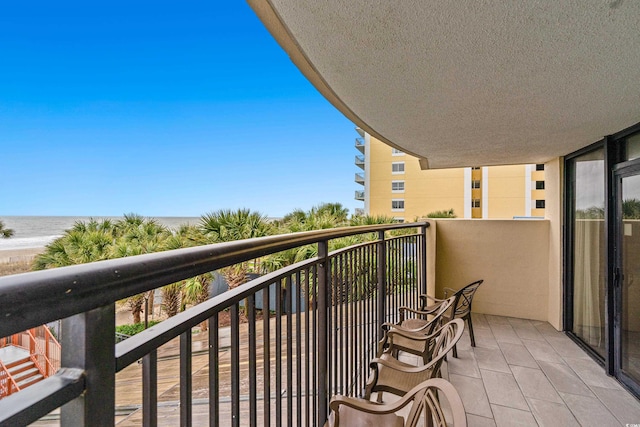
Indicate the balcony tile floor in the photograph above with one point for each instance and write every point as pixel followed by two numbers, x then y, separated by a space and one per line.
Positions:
pixel 521 373
pixel 525 373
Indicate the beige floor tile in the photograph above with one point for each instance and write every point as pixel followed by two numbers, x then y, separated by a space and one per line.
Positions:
pixel 505 333
pixel 564 379
pixel 621 404
pixel 473 395
pixel 503 390
pixel 534 383
pixel 517 354
pixel 589 411
pixel 592 374
pixel 509 417
pixel 550 414
pixel 492 359
pixel 542 350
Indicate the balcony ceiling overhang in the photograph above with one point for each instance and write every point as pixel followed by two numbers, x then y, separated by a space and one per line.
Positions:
pixel 470 82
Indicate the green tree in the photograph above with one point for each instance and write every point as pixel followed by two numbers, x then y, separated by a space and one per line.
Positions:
pixel 631 209
pixel 226 225
pixel 5 232
pixel 196 291
pixel 93 240
pixel 442 214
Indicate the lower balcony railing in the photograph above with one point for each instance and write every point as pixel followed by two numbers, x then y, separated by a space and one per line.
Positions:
pixel 297 336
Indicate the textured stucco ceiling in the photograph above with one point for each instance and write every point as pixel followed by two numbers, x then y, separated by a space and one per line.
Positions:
pixel 470 82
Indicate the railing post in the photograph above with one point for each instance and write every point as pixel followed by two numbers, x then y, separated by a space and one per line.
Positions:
pixel 382 282
pixel 422 265
pixel 323 341
pixel 32 341
pixel 47 353
pixel 88 342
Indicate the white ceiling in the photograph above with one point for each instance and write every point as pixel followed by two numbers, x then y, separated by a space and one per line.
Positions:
pixel 470 82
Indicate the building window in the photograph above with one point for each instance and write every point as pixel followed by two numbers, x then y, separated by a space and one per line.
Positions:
pixel 539 185
pixel 539 204
pixel 475 203
pixel 397 204
pixel 398 219
pixel 397 186
pixel 397 167
pixel 539 167
pixel 396 152
pixel 475 183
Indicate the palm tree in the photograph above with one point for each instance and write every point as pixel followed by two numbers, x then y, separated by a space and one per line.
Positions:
pixel 5 232
pixel 171 298
pixel 99 240
pixel 196 291
pixel 225 226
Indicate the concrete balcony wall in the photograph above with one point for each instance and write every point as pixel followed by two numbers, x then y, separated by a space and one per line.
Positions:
pixel 511 256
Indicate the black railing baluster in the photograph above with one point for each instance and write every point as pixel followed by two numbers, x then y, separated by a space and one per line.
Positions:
pixel 235 365
pixel 314 348
pixel 214 372
pixel 341 326
pixel 186 409
pixel 251 318
pixel 298 350
pixel 423 259
pixel 278 352
pixel 353 342
pixel 266 357
pixel 334 289
pixel 382 272
pixel 150 389
pixel 289 309
pixel 307 338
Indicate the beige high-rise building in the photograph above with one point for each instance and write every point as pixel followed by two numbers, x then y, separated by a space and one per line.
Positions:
pixel 395 185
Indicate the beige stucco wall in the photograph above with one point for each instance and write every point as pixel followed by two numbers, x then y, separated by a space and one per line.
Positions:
pixel 553 213
pixel 506 191
pixel 511 256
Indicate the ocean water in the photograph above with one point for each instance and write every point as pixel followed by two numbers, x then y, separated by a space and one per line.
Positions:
pixel 39 231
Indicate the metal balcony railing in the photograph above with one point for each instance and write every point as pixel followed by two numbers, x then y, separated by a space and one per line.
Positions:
pixel 360 178
pixel 359 195
pixel 360 161
pixel 359 142
pixel 315 339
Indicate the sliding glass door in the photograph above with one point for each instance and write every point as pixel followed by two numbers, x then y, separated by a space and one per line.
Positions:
pixel 589 249
pixel 627 275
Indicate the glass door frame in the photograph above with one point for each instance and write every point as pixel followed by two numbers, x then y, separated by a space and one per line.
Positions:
pixel 620 171
pixel 611 155
pixel 615 156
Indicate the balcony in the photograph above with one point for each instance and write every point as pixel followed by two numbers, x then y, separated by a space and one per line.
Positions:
pixel 360 144
pixel 360 178
pixel 360 162
pixel 325 320
pixel 359 195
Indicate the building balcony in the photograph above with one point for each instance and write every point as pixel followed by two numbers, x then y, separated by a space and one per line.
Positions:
pixel 325 320
pixel 360 144
pixel 360 178
pixel 360 162
pixel 359 195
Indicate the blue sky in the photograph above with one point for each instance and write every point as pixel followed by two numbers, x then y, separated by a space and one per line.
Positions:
pixel 163 109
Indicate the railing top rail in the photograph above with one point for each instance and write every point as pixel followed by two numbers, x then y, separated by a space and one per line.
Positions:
pixel 66 291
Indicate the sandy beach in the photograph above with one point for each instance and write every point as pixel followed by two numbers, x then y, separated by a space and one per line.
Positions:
pixel 19 255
